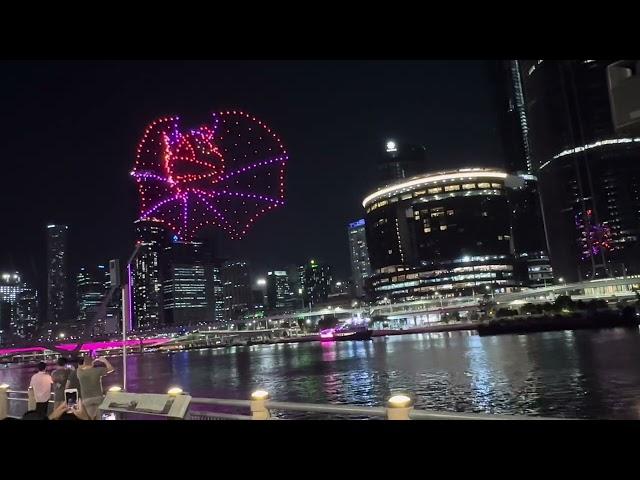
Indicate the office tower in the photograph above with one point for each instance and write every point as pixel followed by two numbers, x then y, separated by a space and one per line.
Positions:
pixel 360 266
pixel 588 174
pixel 624 95
pixel 185 284
pixel 147 272
pixel 11 286
pixel 236 288
pixel 401 160
pixel 92 287
pixel 27 313
pixel 316 285
pixel 279 292
pixel 217 294
pixel 57 274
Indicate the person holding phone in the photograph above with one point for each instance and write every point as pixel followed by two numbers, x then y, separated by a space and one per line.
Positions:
pixel 90 377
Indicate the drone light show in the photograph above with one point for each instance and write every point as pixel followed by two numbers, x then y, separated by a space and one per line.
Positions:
pixel 226 174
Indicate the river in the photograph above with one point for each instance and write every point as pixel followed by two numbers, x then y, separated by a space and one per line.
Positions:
pixel 582 374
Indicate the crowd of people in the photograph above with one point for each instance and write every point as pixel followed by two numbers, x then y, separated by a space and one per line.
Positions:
pixel 76 385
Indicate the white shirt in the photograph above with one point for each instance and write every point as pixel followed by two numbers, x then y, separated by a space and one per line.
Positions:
pixel 41 383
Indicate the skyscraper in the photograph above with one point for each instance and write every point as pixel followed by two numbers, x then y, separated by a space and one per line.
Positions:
pixel 279 292
pixel 92 284
pixel 589 175
pixel 27 313
pixel 401 161
pixel 316 285
pixel 185 284
pixel 10 288
pixel 57 274
pixel 236 287
pixel 147 275
pixel 217 292
pixel 359 254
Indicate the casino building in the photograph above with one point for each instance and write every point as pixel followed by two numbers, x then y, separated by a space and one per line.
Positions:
pixel 443 234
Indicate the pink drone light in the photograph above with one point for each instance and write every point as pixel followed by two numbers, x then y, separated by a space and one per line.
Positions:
pixel 227 174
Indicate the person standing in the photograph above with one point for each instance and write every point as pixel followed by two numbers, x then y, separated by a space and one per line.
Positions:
pixel 90 377
pixel 41 383
pixel 72 381
pixel 60 376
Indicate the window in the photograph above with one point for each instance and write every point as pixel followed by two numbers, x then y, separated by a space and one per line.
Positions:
pixel 393 200
pixel 451 188
pixel 496 185
pixel 390 251
pixel 500 237
pixel 484 185
pixel 468 186
pixel 382 203
pixel 419 192
pixel 443 227
pixel 450 212
pixel 437 214
pixel 406 196
pixel 435 190
pixel 427 229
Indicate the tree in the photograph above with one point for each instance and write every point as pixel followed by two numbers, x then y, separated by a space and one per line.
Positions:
pixel 563 302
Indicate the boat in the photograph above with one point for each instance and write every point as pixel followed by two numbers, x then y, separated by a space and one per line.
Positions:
pixel 346 332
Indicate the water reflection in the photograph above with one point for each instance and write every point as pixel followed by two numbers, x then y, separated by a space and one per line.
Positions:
pixel 593 374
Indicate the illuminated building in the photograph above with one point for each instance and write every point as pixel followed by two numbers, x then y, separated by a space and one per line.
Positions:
pixel 279 292
pixel 316 283
pixel 236 288
pixel 57 276
pixel 588 174
pixel 401 161
pixel 217 293
pixel 624 94
pixel 147 275
pixel 186 282
pixel 92 284
pixel 27 313
pixel 360 266
pixel 441 234
pixel 10 289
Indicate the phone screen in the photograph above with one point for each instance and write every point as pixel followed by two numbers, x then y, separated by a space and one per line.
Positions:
pixel 71 397
pixel 109 416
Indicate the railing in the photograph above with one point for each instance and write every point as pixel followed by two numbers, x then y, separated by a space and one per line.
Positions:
pixel 399 407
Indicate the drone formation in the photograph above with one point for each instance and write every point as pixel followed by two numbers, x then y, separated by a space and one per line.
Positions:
pixel 226 174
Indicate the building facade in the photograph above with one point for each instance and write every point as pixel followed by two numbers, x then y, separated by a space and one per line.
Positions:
pixel 57 274
pixel 280 295
pixel 236 288
pixel 187 283
pixel 442 234
pixel 588 174
pixel 147 273
pixel 10 288
pixel 27 313
pixel 316 283
pixel 359 255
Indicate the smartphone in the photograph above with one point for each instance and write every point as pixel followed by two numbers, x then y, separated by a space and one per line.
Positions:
pixel 109 416
pixel 71 398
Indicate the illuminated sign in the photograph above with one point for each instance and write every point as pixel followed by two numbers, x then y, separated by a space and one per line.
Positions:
pixel 356 224
pixel 391 146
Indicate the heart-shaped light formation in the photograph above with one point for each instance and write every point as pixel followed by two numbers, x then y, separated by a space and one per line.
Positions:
pixel 227 174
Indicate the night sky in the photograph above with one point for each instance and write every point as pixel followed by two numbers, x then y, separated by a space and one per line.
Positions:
pixel 70 130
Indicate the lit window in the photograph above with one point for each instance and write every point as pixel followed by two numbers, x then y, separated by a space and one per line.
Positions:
pixel 406 196
pixel 484 185
pixel 500 237
pixel 417 193
pixel 437 214
pixel 468 186
pixel 451 188
pixel 496 185
pixel 435 190
pixel 390 252
pixel 443 227
pixel 449 212
pixel 427 229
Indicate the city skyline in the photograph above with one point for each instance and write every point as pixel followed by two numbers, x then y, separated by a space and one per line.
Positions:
pixel 100 151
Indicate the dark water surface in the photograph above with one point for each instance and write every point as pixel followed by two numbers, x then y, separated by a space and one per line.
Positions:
pixel 585 374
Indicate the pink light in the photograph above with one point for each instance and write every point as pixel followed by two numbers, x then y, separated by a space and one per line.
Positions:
pixel 327 334
pixel 91 346
pixel 170 163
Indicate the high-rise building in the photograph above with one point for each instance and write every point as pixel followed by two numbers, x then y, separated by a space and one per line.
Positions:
pixel 147 275
pixel 92 285
pixel 316 285
pixel 27 313
pixel 401 161
pixel 217 293
pixel 588 174
pixel 236 288
pixel 624 94
pixel 10 288
pixel 360 266
pixel 441 234
pixel 279 292
pixel 186 282
pixel 57 274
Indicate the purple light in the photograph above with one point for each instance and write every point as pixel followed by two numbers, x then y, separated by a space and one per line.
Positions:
pixel 130 297
pixel 327 334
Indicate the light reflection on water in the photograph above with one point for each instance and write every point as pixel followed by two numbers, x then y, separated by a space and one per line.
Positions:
pixel 588 374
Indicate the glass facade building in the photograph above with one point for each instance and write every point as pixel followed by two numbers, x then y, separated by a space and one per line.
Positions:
pixel 57 274
pixel 359 255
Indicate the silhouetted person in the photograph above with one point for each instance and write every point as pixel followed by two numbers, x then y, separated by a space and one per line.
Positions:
pixel 90 377
pixel 41 383
pixel 60 376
